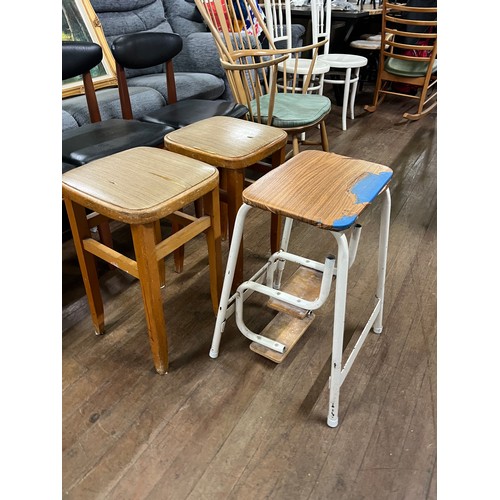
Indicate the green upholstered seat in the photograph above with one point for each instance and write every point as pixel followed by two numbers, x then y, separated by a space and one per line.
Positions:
pixel 294 110
pixel 407 68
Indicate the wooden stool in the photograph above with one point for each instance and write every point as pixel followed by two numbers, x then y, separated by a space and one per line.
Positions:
pixel 329 192
pixel 139 187
pixel 232 145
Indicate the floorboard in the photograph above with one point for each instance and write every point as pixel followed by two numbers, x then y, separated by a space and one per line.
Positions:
pixel 241 426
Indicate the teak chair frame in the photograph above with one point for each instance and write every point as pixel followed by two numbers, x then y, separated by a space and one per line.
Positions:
pixel 252 70
pixel 393 28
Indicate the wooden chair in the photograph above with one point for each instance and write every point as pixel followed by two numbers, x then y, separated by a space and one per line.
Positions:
pixel 409 57
pixel 279 23
pixel 145 50
pixel 329 192
pixel 252 69
pixel 343 68
pixel 139 187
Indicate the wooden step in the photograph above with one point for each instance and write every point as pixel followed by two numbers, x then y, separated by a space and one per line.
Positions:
pixel 304 283
pixel 285 329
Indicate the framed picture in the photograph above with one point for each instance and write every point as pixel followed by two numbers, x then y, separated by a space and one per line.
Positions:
pixel 80 23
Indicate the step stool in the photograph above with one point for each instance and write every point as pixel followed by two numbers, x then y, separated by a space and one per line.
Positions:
pixel 327 191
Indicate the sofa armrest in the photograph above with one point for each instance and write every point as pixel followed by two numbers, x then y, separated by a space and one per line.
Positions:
pixel 199 55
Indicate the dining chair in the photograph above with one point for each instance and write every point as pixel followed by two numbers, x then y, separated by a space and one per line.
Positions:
pixel 278 17
pixel 251 61
pixel 344 68
pixel 89 142
pixel 148 49
pixel 408 62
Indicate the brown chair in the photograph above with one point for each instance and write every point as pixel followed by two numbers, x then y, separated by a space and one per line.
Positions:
pixel 409 57
pixel 139 187
pixel 253 65
pixel 145 50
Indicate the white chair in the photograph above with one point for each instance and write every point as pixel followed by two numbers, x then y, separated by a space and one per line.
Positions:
pixel 279 23
pixel 344 67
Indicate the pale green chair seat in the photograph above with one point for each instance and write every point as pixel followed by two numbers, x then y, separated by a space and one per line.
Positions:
pixel 408 68
pixel 294 110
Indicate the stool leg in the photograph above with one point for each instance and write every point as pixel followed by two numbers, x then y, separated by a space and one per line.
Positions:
pixel 228 278
pixel 353 91
pixel 144 238
pixel 80 230
pixel 235 182
pixel 277 158
pixel 212 209
pixel 324 137
pixel 161 262
pixel 347 86
pixel 338 328
pixel 382 256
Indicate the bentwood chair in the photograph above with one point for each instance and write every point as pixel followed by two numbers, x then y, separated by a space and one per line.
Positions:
pixel 145 50
pixel 252 61
pixel 279 23
pixel 408 58
pixel 344 69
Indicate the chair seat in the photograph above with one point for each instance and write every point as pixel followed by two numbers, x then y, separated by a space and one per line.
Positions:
pixel 346 188
pixel 407 68
pixel 190 111
pixel 96 140
pixel 343 60
pixel 140 185
pixel 295 110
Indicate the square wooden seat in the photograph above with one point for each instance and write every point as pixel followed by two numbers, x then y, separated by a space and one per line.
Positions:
pixel 139 187
pixel 232 145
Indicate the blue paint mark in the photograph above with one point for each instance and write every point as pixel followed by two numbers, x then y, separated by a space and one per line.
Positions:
pixel 367 188
pixel 344 222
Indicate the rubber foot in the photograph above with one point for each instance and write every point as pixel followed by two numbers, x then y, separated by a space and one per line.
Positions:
pixel 332 422
pixel 213 354
pixel 378 330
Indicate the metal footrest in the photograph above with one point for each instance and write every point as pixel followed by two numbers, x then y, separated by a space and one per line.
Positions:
pixel 304 283
pixel 285 329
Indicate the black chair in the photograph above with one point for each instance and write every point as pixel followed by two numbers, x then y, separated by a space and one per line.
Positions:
pixel 144 50
pixel 100 138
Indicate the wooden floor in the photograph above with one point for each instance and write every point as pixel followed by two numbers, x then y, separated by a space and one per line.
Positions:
pixel 240 426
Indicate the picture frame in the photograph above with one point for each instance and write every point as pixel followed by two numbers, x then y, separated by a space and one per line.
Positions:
pixel 80 23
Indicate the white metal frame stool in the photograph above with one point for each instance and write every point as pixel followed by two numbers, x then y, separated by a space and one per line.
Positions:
pixel 345 67
pixel 328 191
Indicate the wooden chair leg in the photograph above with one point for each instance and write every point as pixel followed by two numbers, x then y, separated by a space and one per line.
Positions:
pixel 144 238
pixel 324 137
pixel 277 159
pixel 223 206
pixel 77 216
pixel 178 252
pixel 213 234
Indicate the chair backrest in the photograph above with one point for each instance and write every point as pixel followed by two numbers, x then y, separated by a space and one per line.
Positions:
pixel 410 34
pixel 78 58
pixel 321 22
pixel 250 57
pixel 144 50
pixel 279 21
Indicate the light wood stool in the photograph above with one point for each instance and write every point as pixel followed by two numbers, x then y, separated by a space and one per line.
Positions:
pixel 232 145
pixel 139 187
pixel 329 192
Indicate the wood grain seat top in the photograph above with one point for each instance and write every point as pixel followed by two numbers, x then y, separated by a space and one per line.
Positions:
pixel 139 185
pixel 322 189
pixel 226 142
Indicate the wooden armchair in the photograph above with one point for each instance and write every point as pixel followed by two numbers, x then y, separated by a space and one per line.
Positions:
pixel 408 58
pixel 253 64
